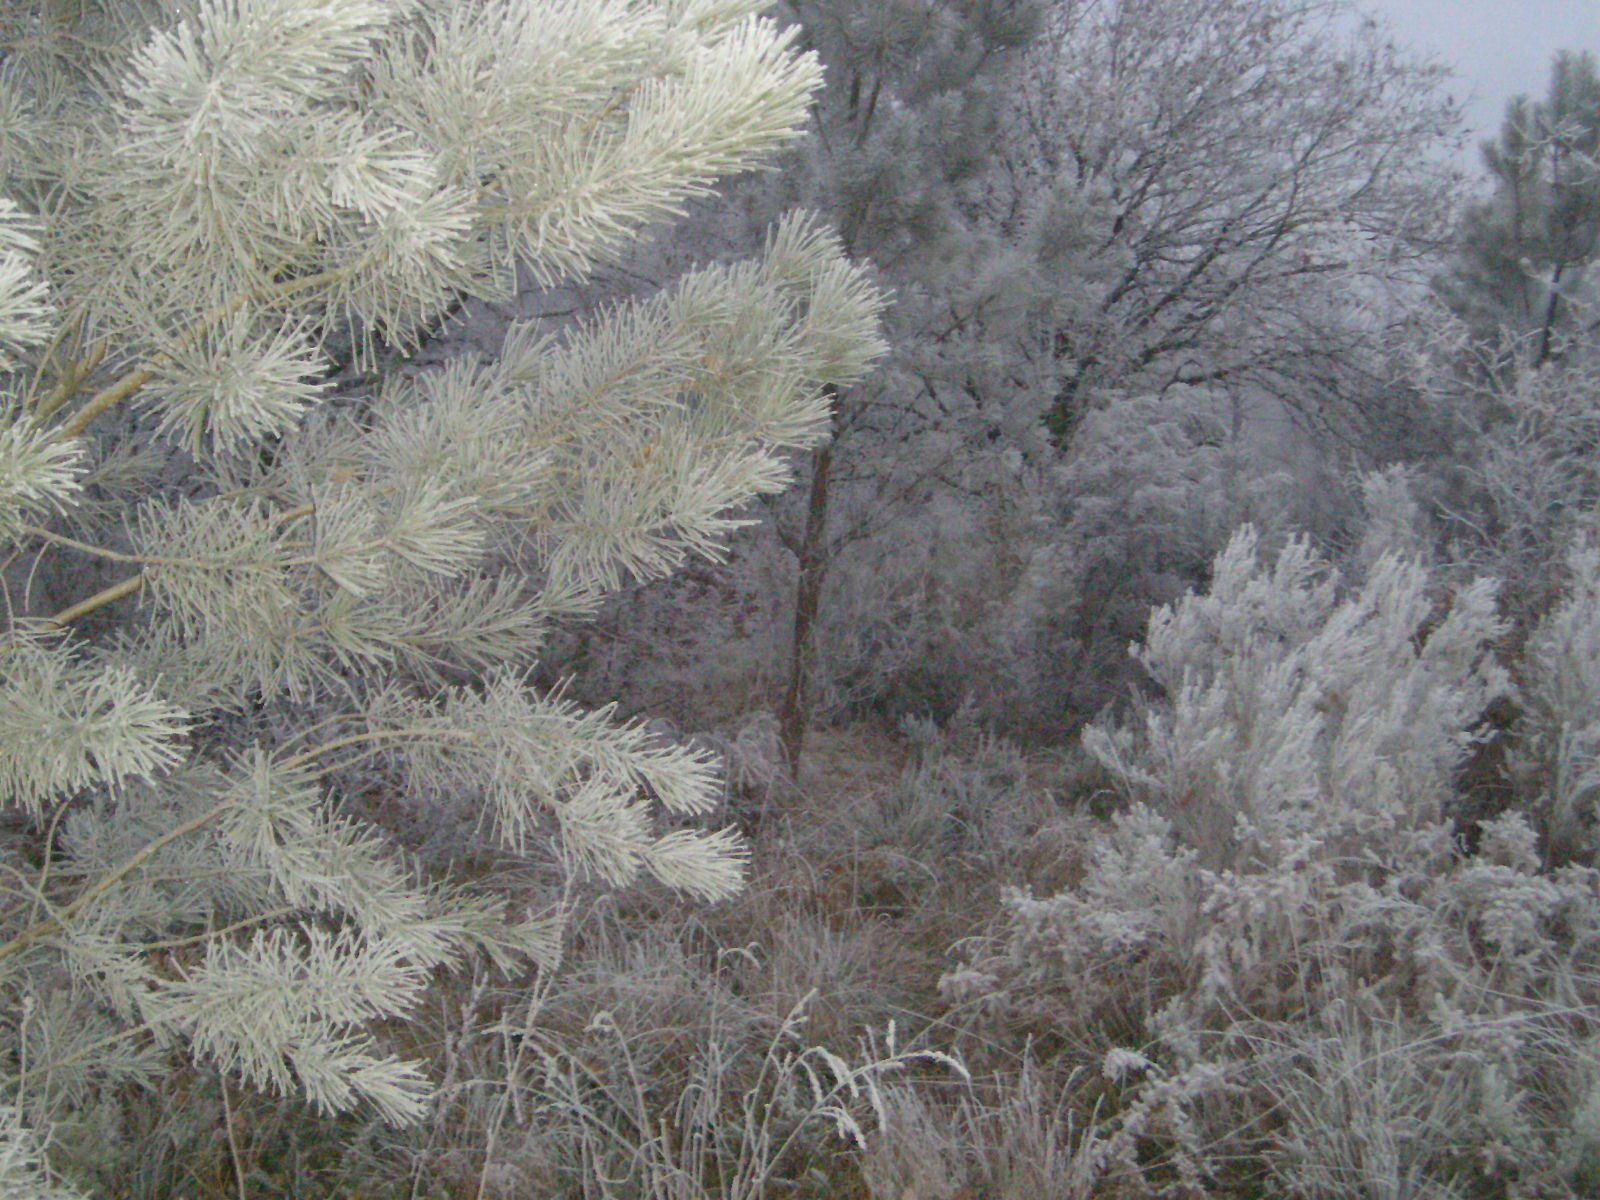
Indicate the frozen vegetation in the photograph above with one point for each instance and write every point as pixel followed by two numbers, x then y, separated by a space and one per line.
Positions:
pixel 710 600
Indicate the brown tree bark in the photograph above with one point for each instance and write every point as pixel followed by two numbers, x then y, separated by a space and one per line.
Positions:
pixel 812 556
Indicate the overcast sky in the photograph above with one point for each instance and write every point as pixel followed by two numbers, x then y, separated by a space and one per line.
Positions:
pixel 1496 47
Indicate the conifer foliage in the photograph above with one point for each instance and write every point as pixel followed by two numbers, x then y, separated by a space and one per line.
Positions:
pixel 251 560
pixel 1524 268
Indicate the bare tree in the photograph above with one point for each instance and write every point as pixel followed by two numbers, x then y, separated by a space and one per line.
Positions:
pixel 1246 164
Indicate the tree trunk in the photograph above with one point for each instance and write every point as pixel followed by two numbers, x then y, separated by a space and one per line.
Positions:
pixel 1547 329
pixel 812 554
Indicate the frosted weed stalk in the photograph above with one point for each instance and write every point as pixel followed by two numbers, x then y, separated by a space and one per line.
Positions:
pixel 724 1134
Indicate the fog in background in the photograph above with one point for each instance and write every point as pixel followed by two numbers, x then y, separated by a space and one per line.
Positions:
pixel 1497 49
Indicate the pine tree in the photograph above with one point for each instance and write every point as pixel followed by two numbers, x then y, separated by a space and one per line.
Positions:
pixel 1511 361
pixel 246 579
pixel 907 125
pixel 1525 264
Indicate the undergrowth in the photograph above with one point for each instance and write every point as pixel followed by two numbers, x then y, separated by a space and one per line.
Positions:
pixel 1234 946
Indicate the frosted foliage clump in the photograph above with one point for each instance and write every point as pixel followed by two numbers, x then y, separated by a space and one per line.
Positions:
pixel 1300 709
pixel 1282 921
pixel 1560 760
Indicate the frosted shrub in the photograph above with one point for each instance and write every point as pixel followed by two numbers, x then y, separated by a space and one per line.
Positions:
pixel 1300 714
pixel 1530 481
pixel 1560 756
pixel 1144 501
pixel 1394 521
pixel 1280 922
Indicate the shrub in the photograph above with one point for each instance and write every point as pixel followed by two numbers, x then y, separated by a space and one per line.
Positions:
pixel 1278 953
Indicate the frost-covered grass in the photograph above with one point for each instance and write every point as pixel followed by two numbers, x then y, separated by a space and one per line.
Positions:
pixel 1232 945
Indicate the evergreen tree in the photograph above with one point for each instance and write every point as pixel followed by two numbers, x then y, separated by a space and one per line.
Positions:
pixel 1511 362
pixel 1525 264
pixel 246 585
pixel 906 127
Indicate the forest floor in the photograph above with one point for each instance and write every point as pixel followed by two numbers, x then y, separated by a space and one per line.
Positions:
pixel 793 1041
pixel 865 882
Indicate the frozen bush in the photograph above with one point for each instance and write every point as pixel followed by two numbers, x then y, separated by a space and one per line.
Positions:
pixel 1279 944
pixel 1301 713
pixel 1560 755
pixel 1144 501
pixel 1522 481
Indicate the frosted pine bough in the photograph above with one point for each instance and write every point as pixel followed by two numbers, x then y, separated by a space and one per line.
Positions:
pixel 195 213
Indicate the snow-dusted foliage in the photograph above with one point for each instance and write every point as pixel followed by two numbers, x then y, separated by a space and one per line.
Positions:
pixel 1560 756
pixel 1521 484
pixel 1301 714
pixel 1279 946
pixel 336 576
pixel 1142 503
pixel 1523 272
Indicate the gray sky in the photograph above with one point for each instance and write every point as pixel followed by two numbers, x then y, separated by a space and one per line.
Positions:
pixel 1496 47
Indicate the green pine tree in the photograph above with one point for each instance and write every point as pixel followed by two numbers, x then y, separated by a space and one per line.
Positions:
pixel 244 578
pixel 908 125
pixel 1525 264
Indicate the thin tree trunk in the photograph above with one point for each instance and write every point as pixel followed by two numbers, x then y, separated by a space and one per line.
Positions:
pixel 1547 331
pixel 812 554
